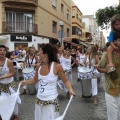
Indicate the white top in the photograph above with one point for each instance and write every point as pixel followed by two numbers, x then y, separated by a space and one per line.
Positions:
pixel 93 62
pixel 31 61
pixel 82 57
pixel 67 65
pixel 62 61
pixel 47 89
pixel 4 71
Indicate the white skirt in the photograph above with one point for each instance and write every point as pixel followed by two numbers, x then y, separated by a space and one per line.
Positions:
pixel 12 91
pixel 46 112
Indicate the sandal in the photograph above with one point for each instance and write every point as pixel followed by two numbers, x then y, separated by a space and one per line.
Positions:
pixel 15 117
pixel 111 69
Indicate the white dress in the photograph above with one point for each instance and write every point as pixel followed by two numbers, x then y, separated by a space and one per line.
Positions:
pixel 47 90
pixel 90 75
pixel 30 75
pixel 3 71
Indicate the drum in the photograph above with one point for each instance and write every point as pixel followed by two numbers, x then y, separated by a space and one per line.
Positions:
pixel 29 73
pixel 85 74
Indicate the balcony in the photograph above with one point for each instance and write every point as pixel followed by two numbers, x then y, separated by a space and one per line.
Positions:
pixel 19 27
pixel 21 2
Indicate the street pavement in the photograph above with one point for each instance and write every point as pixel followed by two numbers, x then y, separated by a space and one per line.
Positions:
pixel 79 109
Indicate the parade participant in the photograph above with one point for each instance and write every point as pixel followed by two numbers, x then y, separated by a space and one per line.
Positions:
pixel 81 56
pixel 91 60
pixel 22 51
pixel 47 106
pixel 112 82
pixel 81 59
pixel 67 67
pixel 31 61
pixel 13 56
pixel 17 52
pixel 73 54
pixel 77 55
pixel 115 27
pixel 7 84
pixel 61 58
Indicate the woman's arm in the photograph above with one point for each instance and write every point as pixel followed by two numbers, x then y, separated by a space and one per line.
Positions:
pixel 33 80
pixel 24 63
pixel 102 70
pixel 73 61
pixel 97 59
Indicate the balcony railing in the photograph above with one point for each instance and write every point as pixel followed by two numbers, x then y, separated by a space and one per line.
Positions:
pixel 32 2
pixel 19 27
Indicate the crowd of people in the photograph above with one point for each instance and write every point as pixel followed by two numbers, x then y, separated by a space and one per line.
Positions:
pixel 52 66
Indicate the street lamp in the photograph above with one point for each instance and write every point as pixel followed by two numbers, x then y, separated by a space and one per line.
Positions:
pixel 61 23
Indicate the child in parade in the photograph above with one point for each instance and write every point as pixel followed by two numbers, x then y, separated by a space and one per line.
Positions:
pixel 115 29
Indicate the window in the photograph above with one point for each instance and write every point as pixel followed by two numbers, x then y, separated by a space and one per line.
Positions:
pixel 54 3
pixel 54 27
pixel 77 16
pixel 68 32
pixel 62 8
pixel 73 13
pixel 68 14
pixel 19 22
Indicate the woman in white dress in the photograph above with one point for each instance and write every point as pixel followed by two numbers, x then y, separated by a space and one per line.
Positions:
pixel 91 60
pixel 7 84
pixel 46 106
pixel 68 67
pixel 31 61
pixel 81 58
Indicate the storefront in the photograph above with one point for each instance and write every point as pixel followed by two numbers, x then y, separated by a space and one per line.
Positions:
pixel 14 40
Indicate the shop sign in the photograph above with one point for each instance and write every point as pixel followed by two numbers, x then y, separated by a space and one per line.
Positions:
pixel 21 38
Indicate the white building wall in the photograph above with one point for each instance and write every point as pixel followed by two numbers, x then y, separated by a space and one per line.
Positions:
pixel 86 20
pixel 38 40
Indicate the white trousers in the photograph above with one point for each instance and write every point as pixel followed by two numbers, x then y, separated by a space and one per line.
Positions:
pixel 46 112
pixel 69 76
pixel 113 107
pixel 94 86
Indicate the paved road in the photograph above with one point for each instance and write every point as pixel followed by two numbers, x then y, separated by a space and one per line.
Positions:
pixel 80 108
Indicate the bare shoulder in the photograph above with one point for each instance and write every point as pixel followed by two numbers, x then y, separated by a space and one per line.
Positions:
pixel 57 66
pixel 9 61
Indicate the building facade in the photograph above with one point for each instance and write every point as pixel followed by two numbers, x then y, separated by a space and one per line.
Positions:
pixel 77 33
pixel 32 22
pixel 92 33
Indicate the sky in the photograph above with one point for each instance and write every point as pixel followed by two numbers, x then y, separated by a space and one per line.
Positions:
pixel 89 7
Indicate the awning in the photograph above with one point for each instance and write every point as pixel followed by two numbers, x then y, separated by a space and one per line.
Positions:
pixel 72 43
pixel 82 43
pixel 3 37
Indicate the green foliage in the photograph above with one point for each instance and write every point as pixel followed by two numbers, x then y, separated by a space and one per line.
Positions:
pixel 103 16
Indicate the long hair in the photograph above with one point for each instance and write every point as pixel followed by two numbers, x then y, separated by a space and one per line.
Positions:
pixel 113 21
pixel 51 51
pixel 94 51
